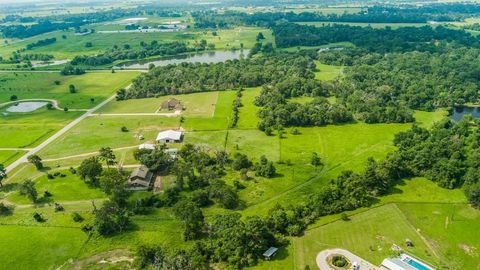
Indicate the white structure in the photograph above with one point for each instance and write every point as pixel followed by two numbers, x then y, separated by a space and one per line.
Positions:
pixel 148 146
pixel 172 152
pixel 404 262
pixel 169 136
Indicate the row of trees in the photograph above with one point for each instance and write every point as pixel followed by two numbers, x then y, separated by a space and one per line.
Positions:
pixel 381 40
pixel 146 50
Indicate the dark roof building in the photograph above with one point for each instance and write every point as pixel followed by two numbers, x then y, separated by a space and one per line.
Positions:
pixel 172 104
pixel 140 179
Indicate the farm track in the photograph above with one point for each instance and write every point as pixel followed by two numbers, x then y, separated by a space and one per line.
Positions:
pixel 58 134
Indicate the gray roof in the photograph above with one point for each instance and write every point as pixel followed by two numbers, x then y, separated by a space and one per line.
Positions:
pixel 396 264
pixel 140 172
pixel 169 135
pixel 270 251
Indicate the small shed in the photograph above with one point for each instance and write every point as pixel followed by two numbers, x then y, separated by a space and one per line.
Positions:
pixel 270 253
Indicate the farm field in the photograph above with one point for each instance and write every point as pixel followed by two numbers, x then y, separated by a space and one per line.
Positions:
pixel 97 86
pixel 26 130
pixel 196 105
pixel 8 156
pixel 73 45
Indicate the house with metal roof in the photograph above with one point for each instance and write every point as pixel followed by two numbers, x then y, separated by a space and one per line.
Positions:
pixel 169 136
pixel 270 253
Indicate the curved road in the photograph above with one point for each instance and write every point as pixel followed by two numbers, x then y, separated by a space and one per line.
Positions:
pixel 57 135
pixel 323 264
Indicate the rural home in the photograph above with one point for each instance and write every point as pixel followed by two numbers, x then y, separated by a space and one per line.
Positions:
pixel 172 104
pixel 169 136
pixel 140 179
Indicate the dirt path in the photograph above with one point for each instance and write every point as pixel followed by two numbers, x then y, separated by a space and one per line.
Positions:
pixel 59 133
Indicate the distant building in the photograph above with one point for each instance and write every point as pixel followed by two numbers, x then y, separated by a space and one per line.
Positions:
pixel 169 136
pixel 270 253
pixel 172 152
pixel 148 146
pixel 172 104
pixel 140 179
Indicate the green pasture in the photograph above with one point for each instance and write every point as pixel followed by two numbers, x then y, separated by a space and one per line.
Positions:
pixel 452 229
pixel 195 105
pixel 32 85
pixel 26 130
pixel 327 72
pixel 369 234
pixel 100 131
pixel 38 247
pixel 248 112
pixel 9 156
pixel 73 45
pixel 68 188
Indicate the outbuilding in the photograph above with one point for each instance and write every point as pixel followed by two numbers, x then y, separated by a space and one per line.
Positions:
pixel 169 136
pixel 270 253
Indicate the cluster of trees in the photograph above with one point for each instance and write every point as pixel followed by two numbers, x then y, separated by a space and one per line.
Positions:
pixel 251 72
pixel 17 58
pixel 146 50
pixel 40 43
pixel 375 40
pixel 71 70
pixel 383 88
pixel 372 14
pixel 278 112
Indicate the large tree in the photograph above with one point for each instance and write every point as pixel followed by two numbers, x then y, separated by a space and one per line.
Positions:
pixel 90 168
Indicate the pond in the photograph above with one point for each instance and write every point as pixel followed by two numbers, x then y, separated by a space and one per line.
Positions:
pixel 23 107
pixel 210 57
pixel 458 112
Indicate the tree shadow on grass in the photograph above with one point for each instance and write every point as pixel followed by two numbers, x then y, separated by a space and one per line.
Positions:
pixel 9 187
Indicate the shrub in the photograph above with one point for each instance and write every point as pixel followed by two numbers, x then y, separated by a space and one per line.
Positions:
pixel 58 207
pixel 339 261
pixel 124 129
pixel 38 217
pixel 77 217
pixel 5 209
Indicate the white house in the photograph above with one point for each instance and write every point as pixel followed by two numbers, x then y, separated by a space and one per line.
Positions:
pixel 148 146
pixel 169 136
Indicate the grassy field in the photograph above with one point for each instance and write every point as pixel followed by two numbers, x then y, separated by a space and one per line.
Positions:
pixel 26 130
pixel 98 86
pixel 327 72
pixel 369 234
pixel 73 45
pixel 9 156
pixel 196 105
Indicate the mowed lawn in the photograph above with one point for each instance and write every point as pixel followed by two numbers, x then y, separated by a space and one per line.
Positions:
pixel 327 72
pixel 452 229
pixel 26 130
pixel 195 105
pixel 9 156
pixel 68 188
pixel 38 247
pixel 97 86
pixel 101 131
pixel 369 234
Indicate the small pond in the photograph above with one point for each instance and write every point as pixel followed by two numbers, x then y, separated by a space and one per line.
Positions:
pixel 458 112
pixel 23 107
pixel 210 57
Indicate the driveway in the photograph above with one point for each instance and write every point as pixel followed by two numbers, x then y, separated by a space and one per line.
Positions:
pixel 323 264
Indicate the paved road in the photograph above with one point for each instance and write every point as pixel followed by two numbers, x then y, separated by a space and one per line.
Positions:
pixel 323 265
pixel 57 135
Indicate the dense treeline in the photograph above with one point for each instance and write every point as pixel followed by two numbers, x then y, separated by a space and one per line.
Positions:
pixel 413 80
pixel 40 43
pixel 145 50
pixel 252 72
pixel 376 40
pixel 65 21
pixel 374 14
